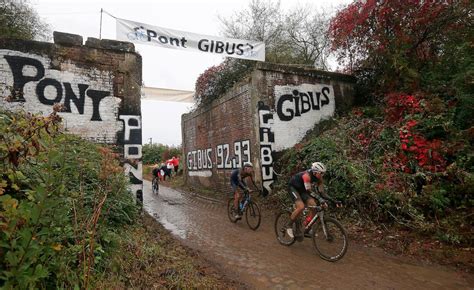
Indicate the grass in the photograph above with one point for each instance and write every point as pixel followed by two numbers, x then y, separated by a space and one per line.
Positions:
pixel 148 257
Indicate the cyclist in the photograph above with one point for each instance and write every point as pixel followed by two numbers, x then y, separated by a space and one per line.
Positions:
pixel 237 180
pixel 156 171
pixel 299 189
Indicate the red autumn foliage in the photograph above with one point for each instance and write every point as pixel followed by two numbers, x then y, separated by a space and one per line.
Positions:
pixel 415 148
pixel 427 153
pixel 206 81
pixel 399 105
pixel 396 39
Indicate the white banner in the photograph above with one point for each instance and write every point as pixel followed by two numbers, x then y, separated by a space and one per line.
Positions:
pixel 142 33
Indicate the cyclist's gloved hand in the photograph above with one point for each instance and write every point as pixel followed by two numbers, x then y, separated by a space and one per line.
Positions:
pixel 323 202
pixel 338 203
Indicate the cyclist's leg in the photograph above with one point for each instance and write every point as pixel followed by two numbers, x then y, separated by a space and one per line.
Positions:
pixel 305 200
pixel 237 197
pixel 311 202
pixel 299 204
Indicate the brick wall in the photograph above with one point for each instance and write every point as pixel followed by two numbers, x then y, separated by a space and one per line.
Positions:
pixel 97 83
pixel 218 138
pixel 271 111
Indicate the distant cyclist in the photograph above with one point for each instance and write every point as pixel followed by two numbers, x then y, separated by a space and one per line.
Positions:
pixel 156 171
pixel 299 189
pixel 237 180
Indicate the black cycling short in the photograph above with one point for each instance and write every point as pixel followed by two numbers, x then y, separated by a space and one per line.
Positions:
pixel 295 195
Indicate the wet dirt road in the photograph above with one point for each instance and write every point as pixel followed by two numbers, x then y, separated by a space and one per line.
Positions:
pixel 258 260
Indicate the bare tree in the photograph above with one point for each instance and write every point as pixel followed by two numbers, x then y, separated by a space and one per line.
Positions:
pixel 306 30
pixel 296 37
pixel 19 20
pixel 261 21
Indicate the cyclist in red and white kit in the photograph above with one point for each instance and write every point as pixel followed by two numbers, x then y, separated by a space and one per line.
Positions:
pixel 299 189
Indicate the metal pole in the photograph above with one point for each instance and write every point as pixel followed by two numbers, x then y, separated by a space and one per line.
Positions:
pixel 100 31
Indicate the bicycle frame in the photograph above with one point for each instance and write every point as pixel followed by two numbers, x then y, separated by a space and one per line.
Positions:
pixel 245 201
pixel 319 214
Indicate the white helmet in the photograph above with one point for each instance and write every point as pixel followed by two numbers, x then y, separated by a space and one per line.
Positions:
pixel 318 167
pixel 248 164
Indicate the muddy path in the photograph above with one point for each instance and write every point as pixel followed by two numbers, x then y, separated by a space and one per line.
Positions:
pixel 258 260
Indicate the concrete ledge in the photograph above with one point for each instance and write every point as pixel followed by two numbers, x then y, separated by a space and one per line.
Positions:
pixel 67 38
pixel 304 70
pixel 110 44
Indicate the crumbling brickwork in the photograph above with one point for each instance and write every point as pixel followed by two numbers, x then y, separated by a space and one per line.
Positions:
pixel 271 111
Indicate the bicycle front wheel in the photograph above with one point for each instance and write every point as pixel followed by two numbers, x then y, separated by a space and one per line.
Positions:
pixel 281 224
pixel 155 186
pixel 253 216
pixel 332 245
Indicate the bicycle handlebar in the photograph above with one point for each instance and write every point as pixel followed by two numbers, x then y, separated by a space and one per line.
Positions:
pixel 335 202
pixel 254 190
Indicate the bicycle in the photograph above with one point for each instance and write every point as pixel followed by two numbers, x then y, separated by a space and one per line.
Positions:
pixel 155 185
pixel 251 209
pixel 329 236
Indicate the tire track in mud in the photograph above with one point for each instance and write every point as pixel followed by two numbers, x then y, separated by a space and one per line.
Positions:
pixel 261 262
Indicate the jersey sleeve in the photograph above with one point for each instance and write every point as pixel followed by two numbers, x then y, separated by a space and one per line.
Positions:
pixel 307 181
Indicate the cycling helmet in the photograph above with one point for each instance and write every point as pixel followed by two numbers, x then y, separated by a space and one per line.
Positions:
pixel 248 164
pixel 318 167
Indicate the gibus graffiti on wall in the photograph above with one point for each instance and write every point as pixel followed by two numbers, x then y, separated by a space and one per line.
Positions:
pixel 298 109
pixel 200 163
pixel 267 140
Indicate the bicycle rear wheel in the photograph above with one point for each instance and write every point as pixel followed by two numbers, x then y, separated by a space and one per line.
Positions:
pixel 230 210
pixel 252 215
pixel 281 223
pixel 331 246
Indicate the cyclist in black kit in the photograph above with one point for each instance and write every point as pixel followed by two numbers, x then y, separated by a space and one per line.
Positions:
pixel 299 189
pixel 237 180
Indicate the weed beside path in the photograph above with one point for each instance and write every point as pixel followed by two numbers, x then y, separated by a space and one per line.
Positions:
pixel 148 257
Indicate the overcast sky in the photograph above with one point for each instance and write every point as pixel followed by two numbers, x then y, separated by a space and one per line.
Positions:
pixel 162 68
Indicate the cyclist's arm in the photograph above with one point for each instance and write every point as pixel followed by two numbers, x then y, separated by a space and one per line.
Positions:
pixel 307 182
pixel 253 182
pixel 243 185
pixel 322 196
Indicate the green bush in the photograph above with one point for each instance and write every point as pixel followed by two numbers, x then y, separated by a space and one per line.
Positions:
pixel 216 80
pixel 61 199
pixel 158 153
pixel 366 170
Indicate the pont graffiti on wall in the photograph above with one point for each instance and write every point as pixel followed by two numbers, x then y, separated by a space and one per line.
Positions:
pixel 267 141
pixel 89 108
pixel 28 82
pixel 298 109
pixel 200 162
pixel 132 140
